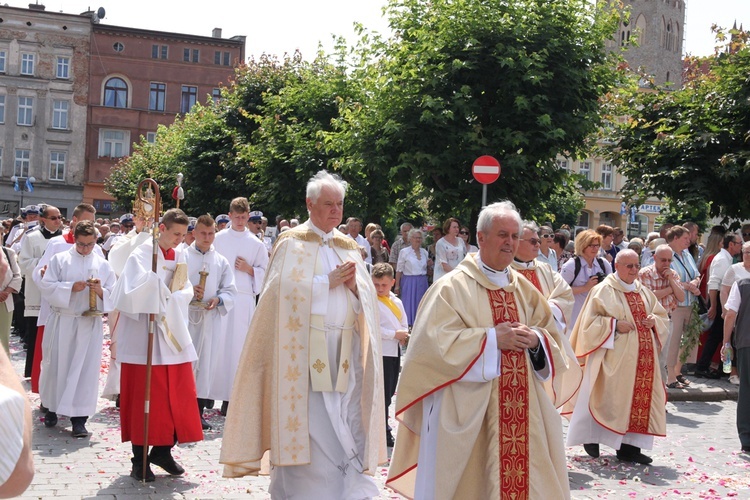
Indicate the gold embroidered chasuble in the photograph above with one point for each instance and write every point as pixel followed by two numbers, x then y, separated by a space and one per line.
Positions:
pixel 448 337
pixel 627 392
pixel 278 363
pixel 560 389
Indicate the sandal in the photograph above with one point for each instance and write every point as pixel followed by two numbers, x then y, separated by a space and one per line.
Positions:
pixel 681 379
pixel 675 385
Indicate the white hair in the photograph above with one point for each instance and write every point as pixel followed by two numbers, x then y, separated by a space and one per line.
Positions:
pixel 405 225
pixel 321 179
pixel 414 232
pixel 530 225
pixel 495 210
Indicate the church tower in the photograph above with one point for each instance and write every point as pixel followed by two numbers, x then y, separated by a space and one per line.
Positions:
pixel 659 26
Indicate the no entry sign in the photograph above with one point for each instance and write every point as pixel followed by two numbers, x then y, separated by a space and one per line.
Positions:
pixel 486 169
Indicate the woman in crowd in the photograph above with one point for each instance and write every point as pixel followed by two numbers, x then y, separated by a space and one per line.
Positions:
pixel 546 252
pixel 368 233
pixel 10 283
pixel 411 274
pixel 377 250
pixel 590 268
pixel 559 242
pixel 465 235
pixel 450 250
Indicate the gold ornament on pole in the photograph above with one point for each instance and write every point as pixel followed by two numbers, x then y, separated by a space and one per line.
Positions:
pixel 93 311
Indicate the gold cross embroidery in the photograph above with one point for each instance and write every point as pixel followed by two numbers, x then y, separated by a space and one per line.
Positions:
pixel 346 366
pixel 319 365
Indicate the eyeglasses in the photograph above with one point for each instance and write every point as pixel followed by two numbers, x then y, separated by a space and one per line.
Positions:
pixel 746 252
pixel 256 222
pixel 533 241
pixel 53 217
pixel 594 245
pixel 746 235
pixel 631 266
pixel 464 232
pixel 85 245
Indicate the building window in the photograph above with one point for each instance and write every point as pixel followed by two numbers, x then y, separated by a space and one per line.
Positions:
pixel 2 109
pixel 607 176
pixel 116 93
pixel 151 137
pixel 27 64
pixel 113 143
pixel 159 51
pixel 216 95
pixel 191 55
pixel 221 58
pixel 25 111
pixel 63 67
pixel 118 47
pixel 2 61
pixel 189 98
pixel 23 161
pixel 57 165
pixel 157 97
pixel 585 170
pixel 563 164
pixel 60 114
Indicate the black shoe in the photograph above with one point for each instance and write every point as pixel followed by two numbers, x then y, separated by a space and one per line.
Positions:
pixel 592 449
pixel 50 419
pixel 205 425
pixel 137 473
pixel 167 463
pixel 711 374
pixel 224 408
pixel 746 449
pixel 79 430
pixel 389 440
pixel 210 404
pixel 628 453
pixel 42 408
pixel 117 401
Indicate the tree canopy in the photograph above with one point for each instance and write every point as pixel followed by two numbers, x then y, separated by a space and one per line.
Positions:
pixel 402 119
pixel 689 145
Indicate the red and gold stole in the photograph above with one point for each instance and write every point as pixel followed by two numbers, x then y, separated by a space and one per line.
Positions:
pixel 513 400
pixel 644 374
pixel 530 274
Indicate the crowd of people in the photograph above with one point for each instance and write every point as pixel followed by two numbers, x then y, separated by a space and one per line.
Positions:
pixel 298 329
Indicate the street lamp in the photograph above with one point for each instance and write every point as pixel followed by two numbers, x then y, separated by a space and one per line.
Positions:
pixel 26 186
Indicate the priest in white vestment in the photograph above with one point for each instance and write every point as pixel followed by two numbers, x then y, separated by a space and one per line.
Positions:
pixel 214 300
pixel 475 419
pixel 248 259
pixel 69 380
pixel 308 397
pixel 617 338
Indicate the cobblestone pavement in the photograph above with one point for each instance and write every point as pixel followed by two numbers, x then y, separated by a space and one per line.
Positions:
pixel 699 459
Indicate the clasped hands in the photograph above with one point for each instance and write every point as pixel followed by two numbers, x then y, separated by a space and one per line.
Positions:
pixel 514 336
pixel 344 274
pixel 627 326
pixel 198 292
pixel 95 285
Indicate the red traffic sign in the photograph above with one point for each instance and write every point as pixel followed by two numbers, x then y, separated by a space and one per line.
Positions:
pixel 486 169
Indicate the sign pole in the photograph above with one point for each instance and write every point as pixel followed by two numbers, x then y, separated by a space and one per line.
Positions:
pixel 484 195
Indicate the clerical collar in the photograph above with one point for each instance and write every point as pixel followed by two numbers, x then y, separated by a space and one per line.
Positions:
pixel 498 278
pixel 629 287
pixel 525 265
pixel 325 236
pixel 47 234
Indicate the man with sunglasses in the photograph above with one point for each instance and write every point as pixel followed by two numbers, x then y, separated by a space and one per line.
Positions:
pixel 32 249
pixel 255 225
pixel 618 336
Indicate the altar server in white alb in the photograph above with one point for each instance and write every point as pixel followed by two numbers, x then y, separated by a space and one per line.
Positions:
pixel 216 299
pixel 69 381
pixel 248 258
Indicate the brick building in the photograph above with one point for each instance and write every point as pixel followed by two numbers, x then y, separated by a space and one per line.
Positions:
pixel 141 79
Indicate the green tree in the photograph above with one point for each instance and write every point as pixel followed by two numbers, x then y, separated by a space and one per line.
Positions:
pixel 517 79
pixel 689 145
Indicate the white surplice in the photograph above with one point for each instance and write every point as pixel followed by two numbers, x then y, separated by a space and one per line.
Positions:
pixel 205 326
pixel 72 345
pixel 334 417
pixel 232 244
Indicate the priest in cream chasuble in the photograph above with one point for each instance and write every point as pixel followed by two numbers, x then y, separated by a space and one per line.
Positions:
pixel 475 421
pixel 308 396
pixel 617 339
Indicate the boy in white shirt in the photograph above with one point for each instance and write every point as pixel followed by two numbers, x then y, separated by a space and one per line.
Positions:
pixel 394 331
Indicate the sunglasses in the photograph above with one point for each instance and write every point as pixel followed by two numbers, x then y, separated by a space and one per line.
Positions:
pixel 464 232
pixel 546 236
pixel 54 217
pixel 631 266
pixel 534 241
